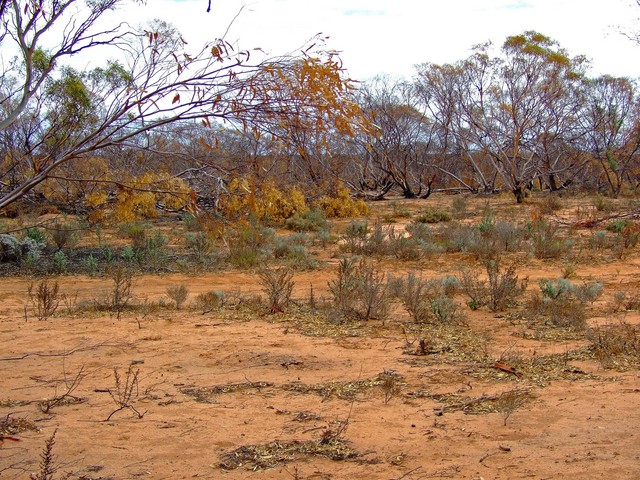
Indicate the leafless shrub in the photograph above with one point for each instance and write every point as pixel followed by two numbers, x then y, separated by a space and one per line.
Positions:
pixel 504 287
pixel 47 460
pixel 45 298
pixel 122 289
pixel 616 346
pixel 178 293
pixel 64 234
pixel 360 290
pixel 390 385
pixel 277 283
pixel 509 402
pixel 125 392
pixel 67 396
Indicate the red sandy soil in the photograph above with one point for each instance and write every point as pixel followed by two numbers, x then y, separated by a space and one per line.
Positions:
pixel 584 428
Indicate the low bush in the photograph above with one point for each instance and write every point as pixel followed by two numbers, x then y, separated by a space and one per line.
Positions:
pixel 616 346
pixel 209 301
pixel 277 284
pixel 359 291
pixel 546 241
pixel 341 205
pixel 178 293
pixel 427 301
pixel 561 303
pixel 500 291
pixel 309 221
pixel 432 215
pixel 45 298
pixel 64 234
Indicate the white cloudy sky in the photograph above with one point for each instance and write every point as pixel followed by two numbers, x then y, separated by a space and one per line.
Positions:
pixel 377 36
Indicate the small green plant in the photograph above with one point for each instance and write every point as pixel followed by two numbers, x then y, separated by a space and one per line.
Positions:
pixel 551 204
pixel 562 303
pixel 309 221
pixel 248 242
pixel 427 301
pixel 488 221
pixel 178 293
pixel 400 210
pixel 91 264
pixel 459 206
pixel 546 241
pixel 277 283
pixel 128 254
pixel 137 233
pixel 45 298
pixel 616 226
pixel 431 215
pixel 60 262
pixel 36 235
pixel 199 243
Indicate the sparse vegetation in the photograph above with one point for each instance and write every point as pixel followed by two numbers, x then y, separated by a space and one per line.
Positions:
pixel 178 293
pixel 359 291
pixel 278 286
pixel 45 298
pixel 397 298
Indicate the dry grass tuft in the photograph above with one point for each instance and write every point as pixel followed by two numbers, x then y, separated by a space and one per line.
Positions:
pixel 616 346
pixel 269 455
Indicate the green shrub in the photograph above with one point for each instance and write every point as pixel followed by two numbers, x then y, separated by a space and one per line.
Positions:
pixel 616 226
pixel 561 302
pixel 309 221
pixel 546 241
pixel 36 235
pixel 199 243
pixel 60 261
pixel 248 242
pixel 137 233
pixel 433 216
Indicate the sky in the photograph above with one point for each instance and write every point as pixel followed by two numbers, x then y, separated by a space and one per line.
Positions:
pixel 391 36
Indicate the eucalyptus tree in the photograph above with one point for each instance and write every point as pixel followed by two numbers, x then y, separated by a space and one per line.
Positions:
pixel 510 100
pixel 400 150
pixel 440 91
pixel 611 120
pixel 57 114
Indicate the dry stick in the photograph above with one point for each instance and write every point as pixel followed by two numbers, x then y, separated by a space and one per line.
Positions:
pixel 463 405
pixel 410 472
pixel 63 354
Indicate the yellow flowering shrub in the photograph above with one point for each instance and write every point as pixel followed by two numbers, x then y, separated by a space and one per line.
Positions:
pixel 342 205
pixel 137 198
pixel 265 201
